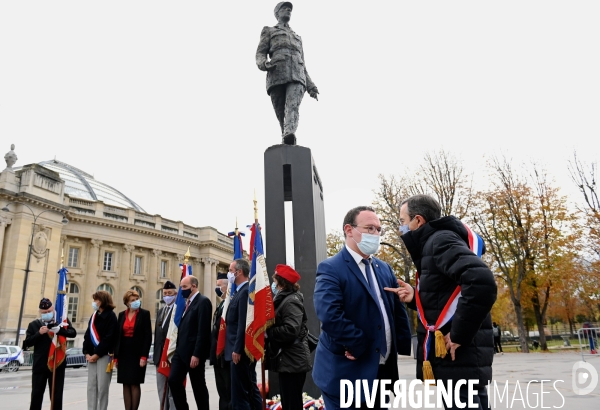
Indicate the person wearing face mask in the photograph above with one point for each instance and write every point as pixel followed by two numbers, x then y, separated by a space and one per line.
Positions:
pixel 161 328
pixel 455 293
pixel 289 354
pixel 98 347
pixel 220 366
pixel 132 348
pixel 192 346
pixel 363 328
pixel 39 337
pixel 244 391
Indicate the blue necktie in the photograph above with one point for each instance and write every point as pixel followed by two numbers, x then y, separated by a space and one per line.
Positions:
pixel 372 284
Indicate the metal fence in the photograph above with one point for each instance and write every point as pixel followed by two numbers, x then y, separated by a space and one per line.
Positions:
pixel 588 341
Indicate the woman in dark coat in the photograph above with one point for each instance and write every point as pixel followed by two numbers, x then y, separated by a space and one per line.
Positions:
pixel 133 346
pixel 288 346
pixel 98 347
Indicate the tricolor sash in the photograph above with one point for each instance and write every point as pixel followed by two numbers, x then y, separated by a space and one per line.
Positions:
pixel 476 246
pixel 93 332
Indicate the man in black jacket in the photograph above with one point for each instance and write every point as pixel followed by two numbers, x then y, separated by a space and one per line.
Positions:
pixel 193 347
pixel 161 329
pixel 439 248
pixel 39 337
pixel 220 366
pixel 244 391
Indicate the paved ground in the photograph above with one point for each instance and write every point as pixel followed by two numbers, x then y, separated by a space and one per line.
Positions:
pixel 15 388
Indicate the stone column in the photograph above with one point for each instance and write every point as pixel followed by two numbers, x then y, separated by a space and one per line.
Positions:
pixel 177 269
pixel 208 281
pixel 124 274
pixel 91 275
pixel 213 284
pixel 153 268
pixel 3 223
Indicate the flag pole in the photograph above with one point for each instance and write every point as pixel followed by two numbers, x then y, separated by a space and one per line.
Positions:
pixel 262 360
pixel 62 260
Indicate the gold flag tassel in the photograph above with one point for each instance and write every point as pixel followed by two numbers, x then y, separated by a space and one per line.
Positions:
pixel 440 345
pixel 111 364
pixel 427 371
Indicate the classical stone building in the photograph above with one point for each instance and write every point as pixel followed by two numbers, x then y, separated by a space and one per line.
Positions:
pixel 109 243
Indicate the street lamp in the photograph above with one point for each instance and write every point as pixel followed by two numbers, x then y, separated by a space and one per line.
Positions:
pixel 35 217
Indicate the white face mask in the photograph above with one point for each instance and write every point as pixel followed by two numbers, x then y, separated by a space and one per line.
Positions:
pixel 231 277
pixel 169 299
pixel 369 243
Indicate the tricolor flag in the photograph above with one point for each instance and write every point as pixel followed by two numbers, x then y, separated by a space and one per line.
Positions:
pixel 261 313
pixel 238 252
pixel 58 348
pixel 171 340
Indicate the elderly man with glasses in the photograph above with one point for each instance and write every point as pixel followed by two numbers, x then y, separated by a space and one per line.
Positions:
pixel 364 327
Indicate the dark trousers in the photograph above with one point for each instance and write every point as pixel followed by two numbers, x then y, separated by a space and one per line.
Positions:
pixel 387 371
pixel 290 387
pixel 497 345
pixel 39 379
pixel 481 399
pixel 244 391
pixel 223 381
pixel 179 369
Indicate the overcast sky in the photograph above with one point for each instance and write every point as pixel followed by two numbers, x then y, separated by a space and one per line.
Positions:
pixel 163 100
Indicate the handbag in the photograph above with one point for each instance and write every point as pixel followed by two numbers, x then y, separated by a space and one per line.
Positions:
pixel 313 341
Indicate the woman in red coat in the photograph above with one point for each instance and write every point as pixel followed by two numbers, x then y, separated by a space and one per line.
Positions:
pixel 132 349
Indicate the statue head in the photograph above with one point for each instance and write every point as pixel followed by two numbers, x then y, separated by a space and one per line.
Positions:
pixel 283 11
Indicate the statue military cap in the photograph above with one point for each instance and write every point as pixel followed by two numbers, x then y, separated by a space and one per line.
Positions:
pixel 169 285
pixel 221 275
pixel 281 4
pixel 45 304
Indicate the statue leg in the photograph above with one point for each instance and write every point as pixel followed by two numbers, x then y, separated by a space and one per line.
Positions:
pixel 278 100
pixel 293 98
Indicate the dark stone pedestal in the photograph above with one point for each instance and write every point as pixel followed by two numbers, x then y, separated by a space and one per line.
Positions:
pixel 291 175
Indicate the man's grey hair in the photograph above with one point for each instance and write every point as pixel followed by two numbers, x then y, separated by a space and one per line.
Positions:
pixel 243 265
pixel 424 205
pixel 193 280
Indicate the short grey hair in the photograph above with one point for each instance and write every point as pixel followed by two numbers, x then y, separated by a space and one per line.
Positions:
pixel 243 265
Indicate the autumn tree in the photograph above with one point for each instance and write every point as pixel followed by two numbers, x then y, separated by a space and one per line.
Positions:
pixel 527 229
pixel 335 242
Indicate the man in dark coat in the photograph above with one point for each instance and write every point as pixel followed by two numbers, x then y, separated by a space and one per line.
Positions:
pixel 439 248
pixel 39 337
pixel 193 347
pixel 161 328
pixel 363 328
pixel 287 78
pixel 220 366
pixel 244 391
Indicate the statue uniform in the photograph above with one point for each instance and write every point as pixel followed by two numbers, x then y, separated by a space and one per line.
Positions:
pixel 288 80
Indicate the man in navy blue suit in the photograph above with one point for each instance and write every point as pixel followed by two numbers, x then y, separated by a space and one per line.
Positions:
pixel 363 327
pixel 244 391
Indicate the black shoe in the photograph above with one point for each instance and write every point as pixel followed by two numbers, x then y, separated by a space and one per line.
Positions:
pixel 289 139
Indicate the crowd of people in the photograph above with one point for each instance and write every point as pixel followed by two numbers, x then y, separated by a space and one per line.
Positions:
pixel 453 294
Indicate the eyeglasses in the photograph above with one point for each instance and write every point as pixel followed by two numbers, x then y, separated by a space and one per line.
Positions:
pixel 373 230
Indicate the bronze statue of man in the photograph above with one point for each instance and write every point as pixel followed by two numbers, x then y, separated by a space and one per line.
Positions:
pixel 287 78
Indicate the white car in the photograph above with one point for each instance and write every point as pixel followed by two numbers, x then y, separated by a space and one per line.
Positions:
pixel 11 358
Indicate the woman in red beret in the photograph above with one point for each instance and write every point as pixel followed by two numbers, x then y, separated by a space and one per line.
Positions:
pixel 288 352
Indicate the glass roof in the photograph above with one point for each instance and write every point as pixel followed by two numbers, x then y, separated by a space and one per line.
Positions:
pixel 80 184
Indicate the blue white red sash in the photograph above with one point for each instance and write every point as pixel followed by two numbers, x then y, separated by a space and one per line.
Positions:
pixel 93 332
pixel 476 246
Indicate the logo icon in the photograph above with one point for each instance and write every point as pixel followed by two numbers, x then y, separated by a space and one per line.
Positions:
pixel 585 378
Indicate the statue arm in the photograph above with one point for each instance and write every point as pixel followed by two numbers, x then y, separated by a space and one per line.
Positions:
pixel 263 49
pixel 310 86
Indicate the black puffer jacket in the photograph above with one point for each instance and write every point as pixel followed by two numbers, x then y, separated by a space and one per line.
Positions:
pixel 287 338
pixel 440 251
